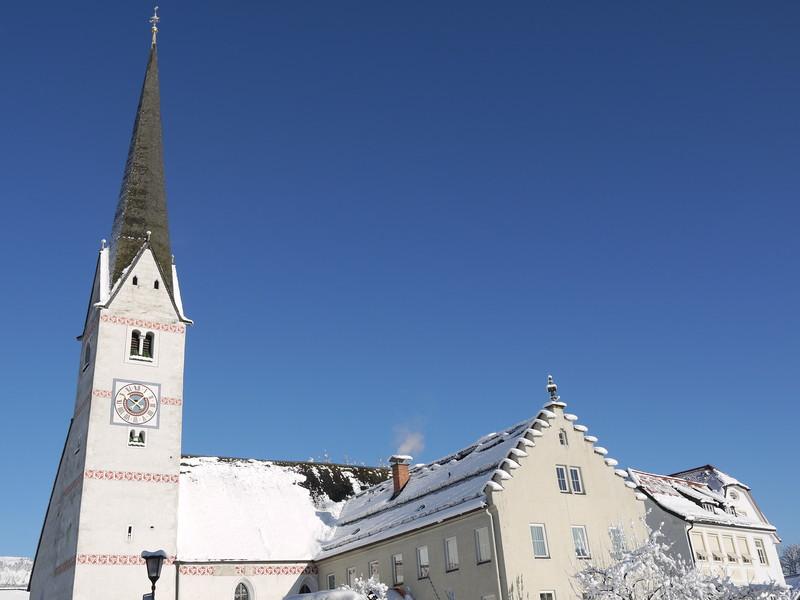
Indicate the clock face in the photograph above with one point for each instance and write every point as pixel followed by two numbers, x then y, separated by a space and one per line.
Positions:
pixel 135 403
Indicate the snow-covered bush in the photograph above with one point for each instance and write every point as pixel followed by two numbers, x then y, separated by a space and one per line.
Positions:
pixel 370 589
pixel 650 572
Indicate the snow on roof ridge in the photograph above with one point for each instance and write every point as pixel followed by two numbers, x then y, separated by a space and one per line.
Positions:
pixel 282 462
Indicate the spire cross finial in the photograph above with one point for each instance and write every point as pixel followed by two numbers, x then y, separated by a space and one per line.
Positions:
pixel 552 388
pixel 154 21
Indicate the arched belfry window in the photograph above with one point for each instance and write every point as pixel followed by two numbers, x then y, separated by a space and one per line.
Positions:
pixel 241 593
pixel 136 340
pixel 147 345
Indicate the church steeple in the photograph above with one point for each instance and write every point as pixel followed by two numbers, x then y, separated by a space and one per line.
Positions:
pixel 142 208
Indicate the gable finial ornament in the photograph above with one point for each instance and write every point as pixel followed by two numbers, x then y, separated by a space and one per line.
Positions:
pixel 154 22
pixel 552 389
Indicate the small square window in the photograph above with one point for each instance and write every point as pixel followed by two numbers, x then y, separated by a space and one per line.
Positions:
pixel 539 539
pixel 576 480
pixel 581 541
pixel 423 563
pixel 451 553
pixel 483 548
pixel 397 568
pixel 547 596
pixel 561 477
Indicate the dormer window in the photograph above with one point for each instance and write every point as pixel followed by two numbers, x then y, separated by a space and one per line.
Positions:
pixel 142 345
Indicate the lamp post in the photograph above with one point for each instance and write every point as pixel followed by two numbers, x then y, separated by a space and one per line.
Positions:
pixel 154 561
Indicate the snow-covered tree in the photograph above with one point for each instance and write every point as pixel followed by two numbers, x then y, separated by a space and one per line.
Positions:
pixel 790 560
pixel 650 572
pixel 370 589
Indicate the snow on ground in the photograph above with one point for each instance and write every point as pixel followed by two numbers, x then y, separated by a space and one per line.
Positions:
pixel 14 571
pixel 243 509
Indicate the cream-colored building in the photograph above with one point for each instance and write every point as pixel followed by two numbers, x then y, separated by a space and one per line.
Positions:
pixel 512 516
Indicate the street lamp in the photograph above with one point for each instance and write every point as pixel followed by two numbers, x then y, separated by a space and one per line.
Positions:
pixel 154 562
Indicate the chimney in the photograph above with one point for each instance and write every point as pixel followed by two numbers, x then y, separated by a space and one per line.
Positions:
pixel 400 474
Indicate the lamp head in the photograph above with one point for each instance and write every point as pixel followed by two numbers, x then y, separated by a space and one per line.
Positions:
pixel 154 562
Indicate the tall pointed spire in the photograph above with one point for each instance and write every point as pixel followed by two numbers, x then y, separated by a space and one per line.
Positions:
pixel 142 208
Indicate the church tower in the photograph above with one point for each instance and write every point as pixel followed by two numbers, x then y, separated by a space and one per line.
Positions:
pixel 116 488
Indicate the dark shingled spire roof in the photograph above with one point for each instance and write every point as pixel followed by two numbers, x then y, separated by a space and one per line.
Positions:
pixel 142 203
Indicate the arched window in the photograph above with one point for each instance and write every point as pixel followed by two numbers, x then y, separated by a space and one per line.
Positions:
pixel 305 589
pixel 241 593
pixel 135 280
pixel 147 346
pixel 136 337
pixel 155 284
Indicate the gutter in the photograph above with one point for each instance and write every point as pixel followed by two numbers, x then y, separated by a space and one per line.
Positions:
pixel 500 589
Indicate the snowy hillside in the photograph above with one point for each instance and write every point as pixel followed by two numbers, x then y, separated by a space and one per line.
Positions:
pixel 14 571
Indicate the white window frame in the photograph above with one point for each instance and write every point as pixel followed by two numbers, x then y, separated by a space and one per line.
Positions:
pixel 576 470
pixel 585 539
pixel 139 359
pixel 479 556
pixel 700 554
pixel 451 561
pixel 374 569
pixel 761 550
pixel 563 439
pixel 713 539
pixel 331 581
pixel 729 553
pixel 531 528
pixel 562 469
pixel 423 570
pixel 351 575
pixel 398 575
pixel 744 550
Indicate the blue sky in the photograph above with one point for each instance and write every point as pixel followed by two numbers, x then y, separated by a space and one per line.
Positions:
pixel 395 218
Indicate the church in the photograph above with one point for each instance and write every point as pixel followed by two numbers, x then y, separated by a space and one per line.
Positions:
pixel 510 516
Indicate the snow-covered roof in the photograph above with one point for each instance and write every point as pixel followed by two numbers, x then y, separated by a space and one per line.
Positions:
pixel 15 572
pixel 692 500
pixel 437 491
pixel 711 476
pixel 244 509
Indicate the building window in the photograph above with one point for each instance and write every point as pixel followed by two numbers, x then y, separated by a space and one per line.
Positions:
pixel 397 569
pixel 87 356
pixel 547 596
pixel 147 345
pixel 761 550
pixel 241 593
pixel 351 575
pixel 155 284
pixel 136 340
pixel 423 563
pixel 561 476
pixel 539 539
pixel 136 437
pixel 617 540
pixel 483 549
pixel 576 480
pixel 451 553
pixel 562 437
pixel 716 549
pixel 581 541
pixel 699 546
pixel 331 581
pixel 375 570
pixel 744 551
pixel 135 280
pixel 730 549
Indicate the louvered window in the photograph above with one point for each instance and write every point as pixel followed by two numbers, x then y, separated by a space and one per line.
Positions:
pixel 136 338
pixel 147 346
